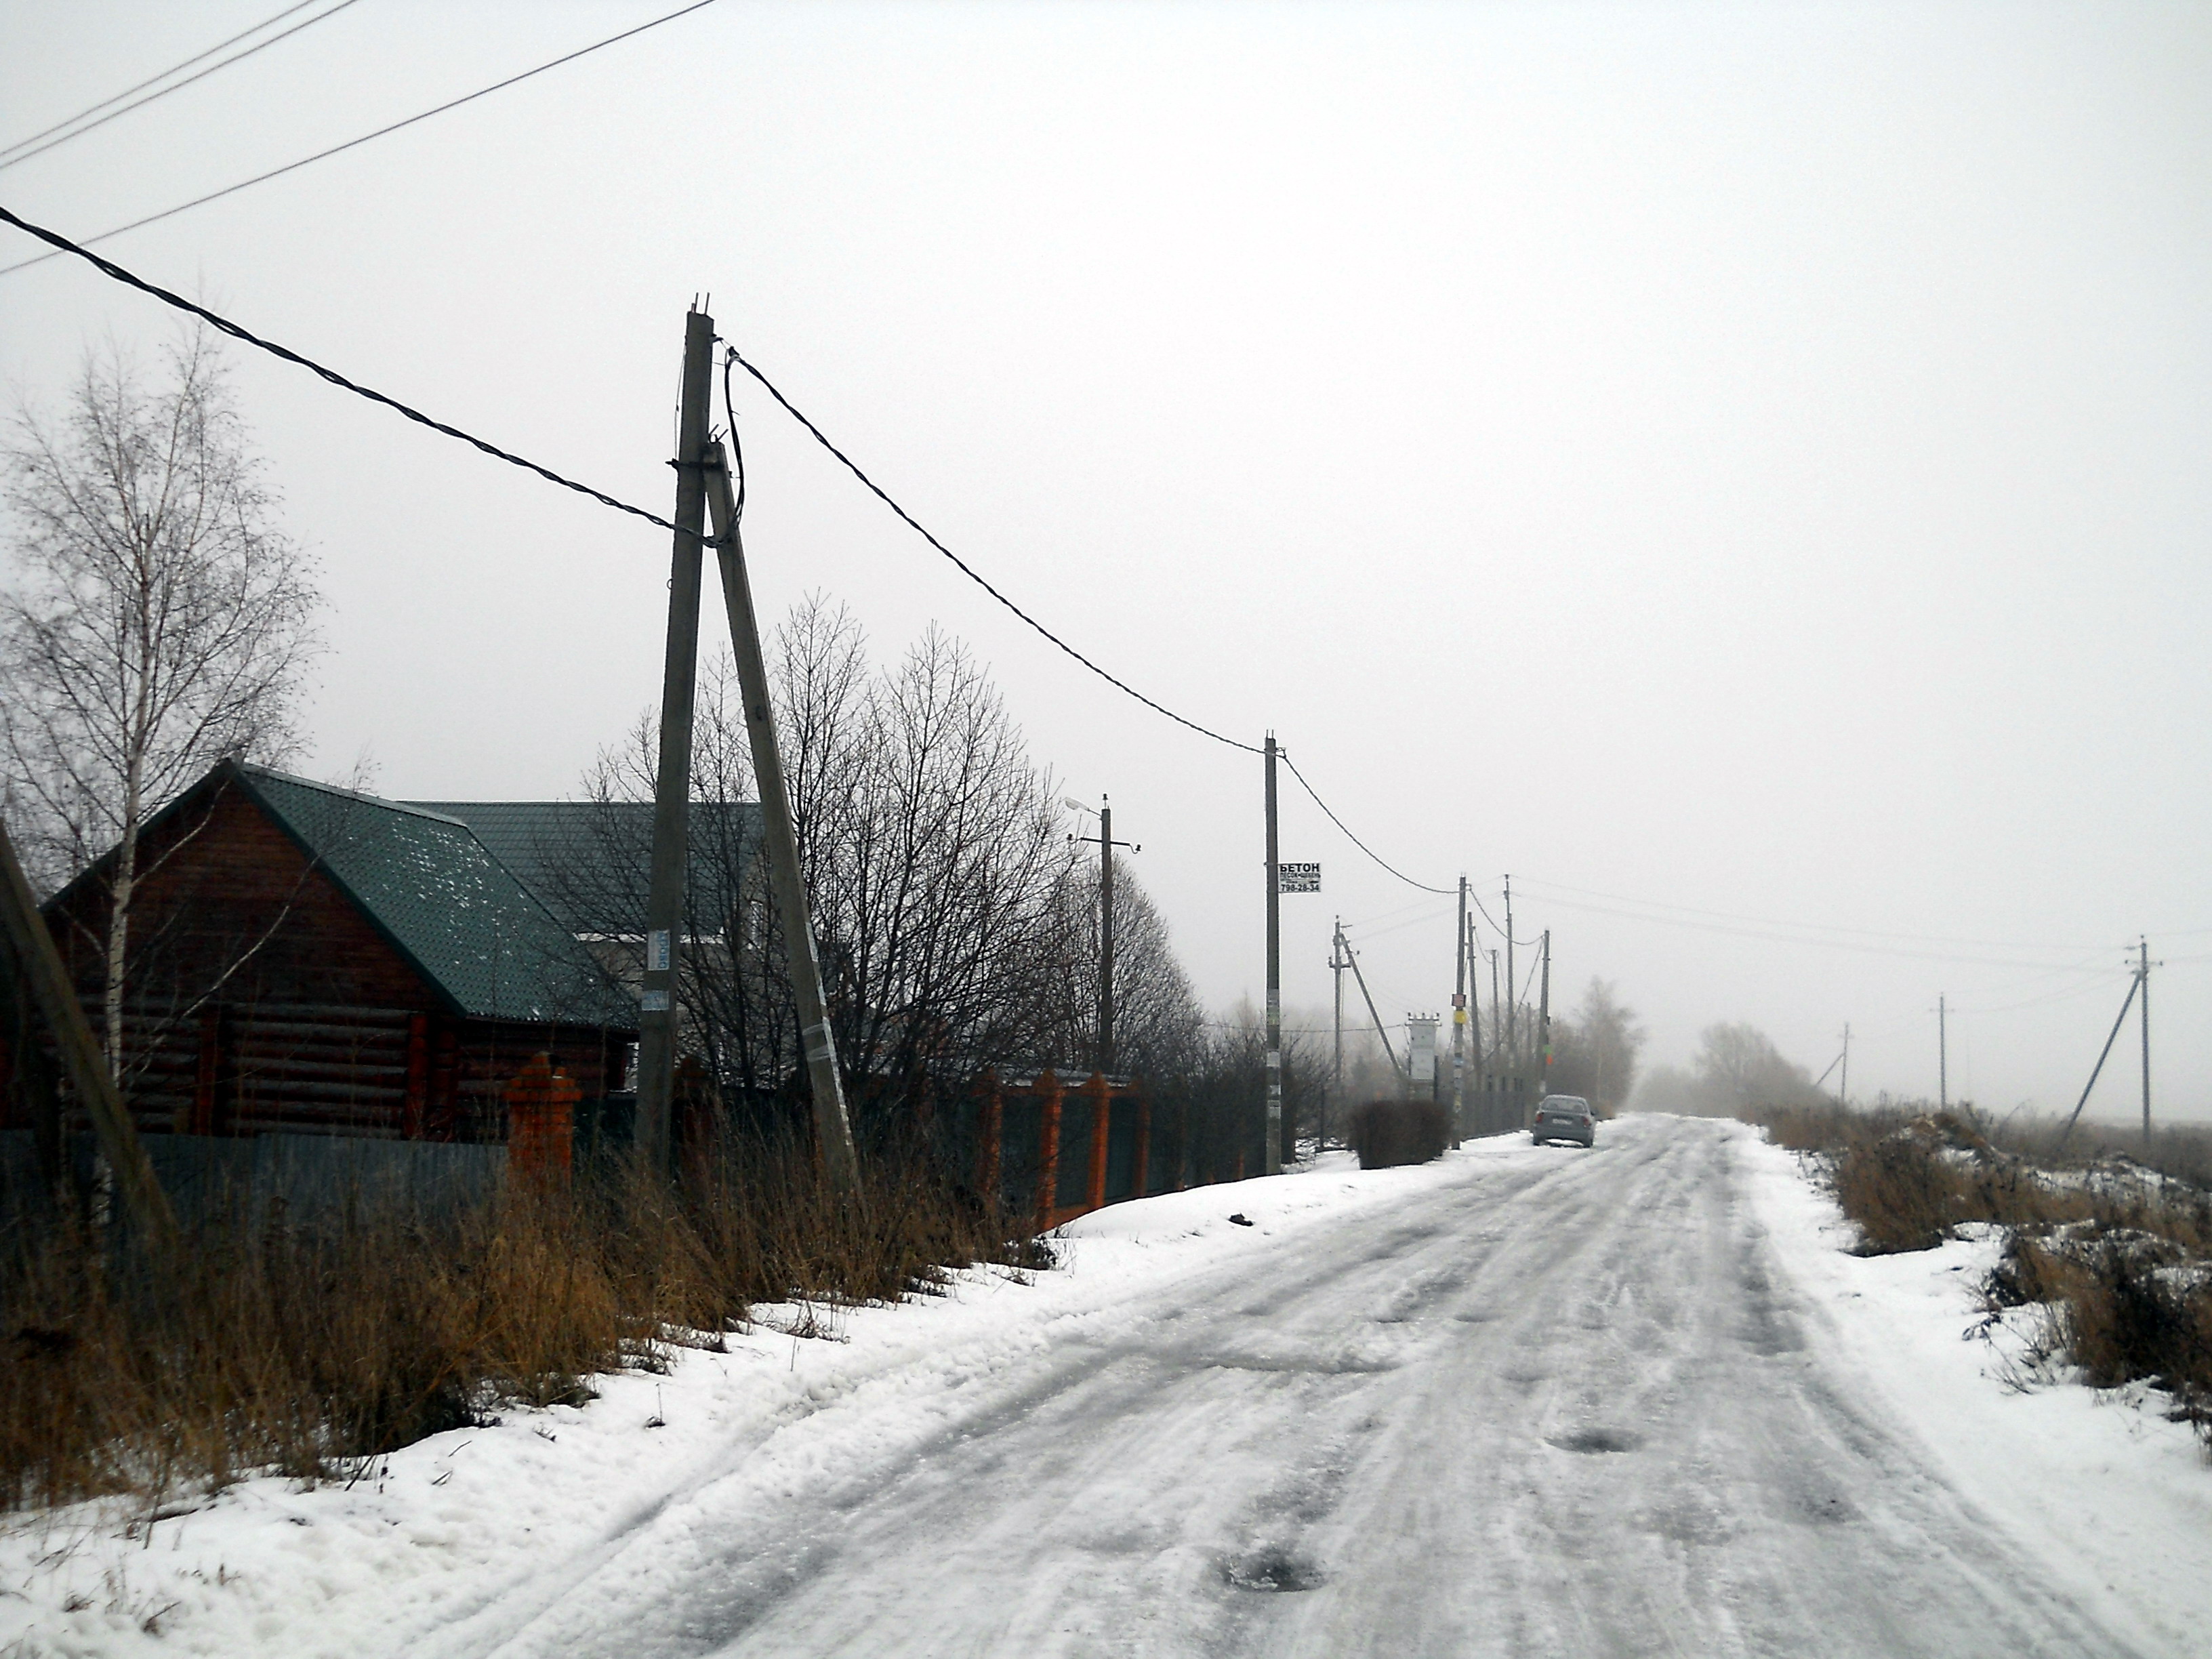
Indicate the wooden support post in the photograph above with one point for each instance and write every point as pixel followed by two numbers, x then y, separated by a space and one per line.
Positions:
pixel 37 966
pixel 833 1129
pixel 1048 1091
pixel 1102 1124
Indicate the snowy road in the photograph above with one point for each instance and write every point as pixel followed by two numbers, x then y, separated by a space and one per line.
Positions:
pixel 1562 1405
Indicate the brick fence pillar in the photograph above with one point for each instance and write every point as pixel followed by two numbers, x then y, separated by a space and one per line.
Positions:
pixel 1046 1089
pixel 541 1122
pixel 1102 1125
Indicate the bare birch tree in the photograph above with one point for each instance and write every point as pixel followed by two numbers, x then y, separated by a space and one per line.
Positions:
pixel 159 619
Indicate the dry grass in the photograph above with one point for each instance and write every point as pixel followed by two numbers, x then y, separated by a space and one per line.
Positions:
pixel 308 1349
pixel 1389 1132
pixel 2115 1245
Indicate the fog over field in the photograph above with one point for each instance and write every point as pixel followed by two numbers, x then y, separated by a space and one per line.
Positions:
pixel 1742 470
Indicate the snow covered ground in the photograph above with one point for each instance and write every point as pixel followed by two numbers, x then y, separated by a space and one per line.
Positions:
pixel 1521 1400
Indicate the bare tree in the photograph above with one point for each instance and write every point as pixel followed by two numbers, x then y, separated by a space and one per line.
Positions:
pixel 1595 1049
pixel 1738 1066
pixel 160 620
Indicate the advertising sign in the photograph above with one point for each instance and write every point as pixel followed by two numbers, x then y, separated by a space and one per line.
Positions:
pixel 1297 878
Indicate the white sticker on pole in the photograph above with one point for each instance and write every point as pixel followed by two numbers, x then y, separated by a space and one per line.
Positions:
pixel 656 951
pixel 653 1002
pixel 1297 878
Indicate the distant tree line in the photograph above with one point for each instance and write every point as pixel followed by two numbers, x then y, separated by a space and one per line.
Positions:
pixel 1737 1068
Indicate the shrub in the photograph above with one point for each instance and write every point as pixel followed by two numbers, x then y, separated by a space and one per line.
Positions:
pixel 306 1348
pixel 1389 1132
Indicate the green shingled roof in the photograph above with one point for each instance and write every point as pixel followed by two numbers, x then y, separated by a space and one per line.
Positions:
pixel 475 931
pixel 588 862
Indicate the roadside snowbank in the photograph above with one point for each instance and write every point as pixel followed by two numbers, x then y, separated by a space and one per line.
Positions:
pixel 2096 1484
pixel 449 1545
pixel 446 1540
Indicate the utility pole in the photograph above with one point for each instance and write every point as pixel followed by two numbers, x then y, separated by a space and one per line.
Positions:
pixel 1336 1051
pixel 1844 1090
pixel 1512 1041
pixel 1474 1001
pixel 1274 1149
pixel 672 795
pixel 1402 1073
pixel 833 1129
pixel 1459 1020
pixel 1106 844
pixel 1543 1023
pixel 2142 974
pixel 1943 1056
pixel 1496 1039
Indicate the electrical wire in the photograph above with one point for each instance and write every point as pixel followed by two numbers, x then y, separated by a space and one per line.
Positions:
pixel 1801 926
pixel 156 97
pixel 353 143
pixel 1493 920
pixel 970 571
pixel 151 80
pixel 1793 938
pixel 1441 892
pixel 109 268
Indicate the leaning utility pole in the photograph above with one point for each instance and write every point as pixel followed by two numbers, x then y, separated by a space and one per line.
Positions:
pixel 833 1129
pixel 671 794
pixel 35 987
pixel 1843 1089
pixel 1274 1151
pixel 1459 1021
pixel 1402 1073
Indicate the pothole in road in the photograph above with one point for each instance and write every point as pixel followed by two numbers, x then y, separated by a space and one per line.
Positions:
pixel 1271 1569
pixel 1598 1440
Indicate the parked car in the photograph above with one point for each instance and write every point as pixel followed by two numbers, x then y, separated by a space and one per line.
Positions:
pixel 1564 1117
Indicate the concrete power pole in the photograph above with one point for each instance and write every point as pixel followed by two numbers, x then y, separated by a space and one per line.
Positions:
pixel 833 1129
pixel 671 794
pixel 1843 1089
pixel 2142 973
pixel 1943 1056
pixel 1106 844
pixel 1273 1154
pixel 1336 1047
pixel 1543 1023
pixel 1459 1022
pixel 1512 1037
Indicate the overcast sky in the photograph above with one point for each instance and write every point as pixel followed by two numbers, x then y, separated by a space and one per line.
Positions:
pixel 1727 465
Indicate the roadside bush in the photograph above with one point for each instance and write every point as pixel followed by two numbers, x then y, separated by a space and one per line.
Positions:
pixel 1389 1133
pixel 2119 1255
pixel 309 1349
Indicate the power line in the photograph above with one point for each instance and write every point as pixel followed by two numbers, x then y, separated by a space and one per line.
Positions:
pixel 352 143
pixel 1441 892
pixel 1801 926
pixel 970 571
pixel 1794 938
pixel 156 97
pixel 109 268
pixel 300 5
pixel 1491 919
